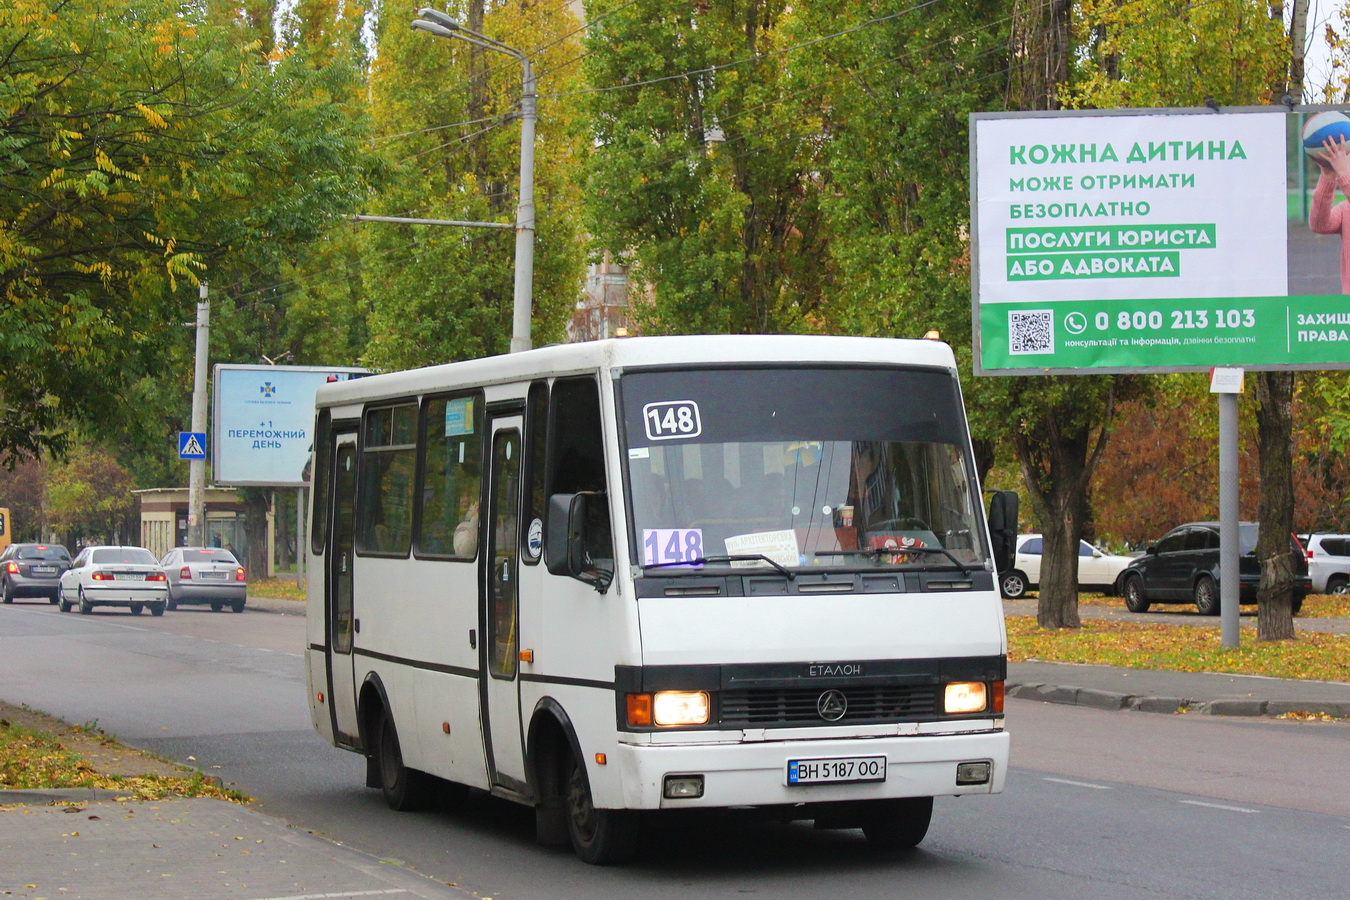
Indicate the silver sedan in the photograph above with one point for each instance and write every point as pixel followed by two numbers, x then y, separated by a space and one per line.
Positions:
pixel 128 577
pixel 205 575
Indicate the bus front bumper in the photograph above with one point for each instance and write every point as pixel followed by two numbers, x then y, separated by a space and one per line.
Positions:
pixel 757 773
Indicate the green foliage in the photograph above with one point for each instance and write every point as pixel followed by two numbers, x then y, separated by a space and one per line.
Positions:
pixel 446 130
pixel 894 99
pixel 1163 53
pixel 706 176
pixel 144 145
pixel 89 496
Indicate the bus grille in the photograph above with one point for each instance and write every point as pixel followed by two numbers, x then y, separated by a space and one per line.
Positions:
pixel 797 706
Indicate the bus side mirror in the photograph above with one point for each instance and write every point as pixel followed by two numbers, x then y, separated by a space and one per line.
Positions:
pixel 1003 528
pixel 566 536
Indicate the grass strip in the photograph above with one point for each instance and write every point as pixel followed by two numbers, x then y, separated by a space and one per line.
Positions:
pixel 34 760
pixel 1195 648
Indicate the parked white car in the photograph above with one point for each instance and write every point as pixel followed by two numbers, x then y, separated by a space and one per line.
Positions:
pixel 1329 563
pixel 1096 570
pixel 128 577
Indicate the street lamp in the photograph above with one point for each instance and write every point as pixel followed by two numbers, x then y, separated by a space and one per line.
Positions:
pixel 438 23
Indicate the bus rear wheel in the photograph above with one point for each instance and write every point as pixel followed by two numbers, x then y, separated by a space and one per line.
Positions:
pixel 599 836
pixel 898 824
pixel 404 789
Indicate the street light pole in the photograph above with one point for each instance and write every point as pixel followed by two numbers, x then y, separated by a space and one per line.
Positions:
pixel 196 536
pixel 438 23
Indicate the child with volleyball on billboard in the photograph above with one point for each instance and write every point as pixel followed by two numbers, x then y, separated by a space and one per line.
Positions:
pixel 1325 140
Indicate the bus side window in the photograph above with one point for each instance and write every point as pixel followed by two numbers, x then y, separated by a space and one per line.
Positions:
pixel 452 430
pixel 577 456
pixel 536 467
pixel 388 457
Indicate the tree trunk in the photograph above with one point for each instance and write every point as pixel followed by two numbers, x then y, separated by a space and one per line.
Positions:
pixel 1057 465
pixel 1274 427
pixel 255 530
pixel 1298 31
pixel 1039 41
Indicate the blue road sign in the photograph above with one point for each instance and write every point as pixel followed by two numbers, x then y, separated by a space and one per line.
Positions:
pixel 191 445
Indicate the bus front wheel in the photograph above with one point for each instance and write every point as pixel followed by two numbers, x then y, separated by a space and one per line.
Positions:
pixel 898 824
pixel 404 789
pixel 599 836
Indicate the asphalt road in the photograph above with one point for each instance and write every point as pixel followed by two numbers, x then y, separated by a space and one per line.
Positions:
pixel 1099 804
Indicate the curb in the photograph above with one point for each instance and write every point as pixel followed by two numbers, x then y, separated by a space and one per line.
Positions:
pixel 1111 700
pixel 44 797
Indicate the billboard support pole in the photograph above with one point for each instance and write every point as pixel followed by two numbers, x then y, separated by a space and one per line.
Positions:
pixel 1227 383
pixel 197 467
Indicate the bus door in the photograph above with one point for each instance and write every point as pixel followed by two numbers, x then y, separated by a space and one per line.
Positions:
pixel 338 594
pixel 500 606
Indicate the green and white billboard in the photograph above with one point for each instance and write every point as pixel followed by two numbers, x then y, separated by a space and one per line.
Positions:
pixel 1157 240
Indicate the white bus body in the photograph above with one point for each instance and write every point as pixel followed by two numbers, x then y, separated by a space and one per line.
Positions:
pixel 660 573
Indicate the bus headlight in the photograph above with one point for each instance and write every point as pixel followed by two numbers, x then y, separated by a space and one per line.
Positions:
pixel 965 697
pixel 680 707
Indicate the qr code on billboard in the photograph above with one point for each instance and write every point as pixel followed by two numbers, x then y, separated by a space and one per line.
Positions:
pixel 1031 331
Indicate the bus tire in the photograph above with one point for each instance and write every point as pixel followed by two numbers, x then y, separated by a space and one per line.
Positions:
pixel 897 824
pixel 599 836
pixel 404 789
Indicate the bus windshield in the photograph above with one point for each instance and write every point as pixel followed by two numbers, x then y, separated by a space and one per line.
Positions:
pixel 801 468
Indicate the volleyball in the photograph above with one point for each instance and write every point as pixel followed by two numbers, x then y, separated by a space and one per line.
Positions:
pixel 1323 126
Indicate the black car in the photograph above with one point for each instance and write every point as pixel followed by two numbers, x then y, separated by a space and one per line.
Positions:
pixel 1183 567
pixel 32 570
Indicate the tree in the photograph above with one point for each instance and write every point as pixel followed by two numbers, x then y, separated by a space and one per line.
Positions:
pixel 1231 52
pixel 143 144
pixel 90 499
pixel 704 175
pixel 445 119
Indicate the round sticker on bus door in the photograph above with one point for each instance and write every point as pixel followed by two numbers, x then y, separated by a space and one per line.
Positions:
pixel 534 538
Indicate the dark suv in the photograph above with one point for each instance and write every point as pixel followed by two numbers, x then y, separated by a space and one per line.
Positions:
pixel 32 570
pixel 1183 567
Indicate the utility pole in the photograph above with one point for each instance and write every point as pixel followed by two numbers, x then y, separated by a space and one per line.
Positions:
pixel 197 467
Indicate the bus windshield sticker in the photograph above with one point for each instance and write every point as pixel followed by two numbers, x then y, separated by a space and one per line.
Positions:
pixel 639 452
pixel 671 545
pixel 779 546
pixel 459 416
pixel 672 419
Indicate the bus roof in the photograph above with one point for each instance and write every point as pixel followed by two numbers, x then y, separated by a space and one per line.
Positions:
pixel 636 352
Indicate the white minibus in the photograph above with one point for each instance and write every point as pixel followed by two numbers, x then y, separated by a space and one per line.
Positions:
pixel 616 578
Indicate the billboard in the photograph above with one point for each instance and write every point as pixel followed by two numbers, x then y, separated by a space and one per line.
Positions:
pixel 263 422
pixel 1156 240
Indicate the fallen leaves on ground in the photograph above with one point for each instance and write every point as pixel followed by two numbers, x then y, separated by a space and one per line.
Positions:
pixel 1196 648
pixel 33 760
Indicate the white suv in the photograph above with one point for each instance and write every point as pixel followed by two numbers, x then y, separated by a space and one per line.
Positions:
pixel 1329 563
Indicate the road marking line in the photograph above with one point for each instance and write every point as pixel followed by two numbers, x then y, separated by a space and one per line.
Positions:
pixel 1241 809
pixel 340 894
pixel 1095 787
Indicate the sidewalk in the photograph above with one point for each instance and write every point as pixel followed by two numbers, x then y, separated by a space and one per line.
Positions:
pixel 1150 690
pixel 97 848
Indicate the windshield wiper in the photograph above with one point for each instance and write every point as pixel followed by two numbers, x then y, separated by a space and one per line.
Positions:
pixel 876 552
pixel 744 557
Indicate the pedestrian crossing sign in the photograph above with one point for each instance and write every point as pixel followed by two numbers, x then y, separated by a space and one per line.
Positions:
pixel 191 445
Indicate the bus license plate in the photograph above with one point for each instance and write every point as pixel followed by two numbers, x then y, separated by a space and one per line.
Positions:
pixel 836 771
